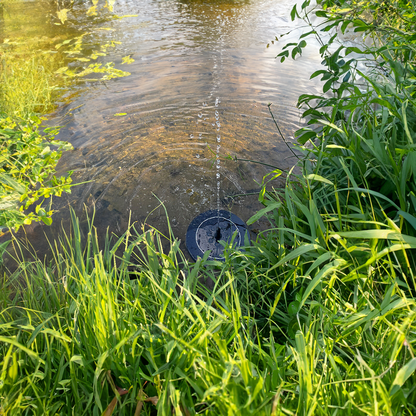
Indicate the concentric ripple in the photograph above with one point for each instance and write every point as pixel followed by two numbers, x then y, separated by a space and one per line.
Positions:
pixel 197 97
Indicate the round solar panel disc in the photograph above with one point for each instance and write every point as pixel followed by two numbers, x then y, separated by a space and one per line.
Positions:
pixel 209 228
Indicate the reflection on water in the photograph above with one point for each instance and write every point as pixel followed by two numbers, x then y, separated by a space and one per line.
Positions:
pixel 201 72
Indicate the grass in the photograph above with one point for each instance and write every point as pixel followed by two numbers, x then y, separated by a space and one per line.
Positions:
pixel 127 327
pixel 103 326
pixel 317 317
pixel 28 84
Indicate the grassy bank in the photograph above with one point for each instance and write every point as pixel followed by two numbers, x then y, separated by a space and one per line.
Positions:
pixel 317 317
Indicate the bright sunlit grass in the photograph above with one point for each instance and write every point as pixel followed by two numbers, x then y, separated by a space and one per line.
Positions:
pixel 28 84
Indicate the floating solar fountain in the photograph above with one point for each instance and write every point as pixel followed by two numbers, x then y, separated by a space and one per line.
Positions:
pixel 209 228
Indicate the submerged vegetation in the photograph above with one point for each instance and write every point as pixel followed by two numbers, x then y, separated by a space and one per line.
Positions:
pixel 317 317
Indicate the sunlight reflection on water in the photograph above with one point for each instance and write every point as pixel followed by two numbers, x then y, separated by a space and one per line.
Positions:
pixel 187 53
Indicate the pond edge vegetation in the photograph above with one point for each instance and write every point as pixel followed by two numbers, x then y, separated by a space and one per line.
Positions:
pixel 34 74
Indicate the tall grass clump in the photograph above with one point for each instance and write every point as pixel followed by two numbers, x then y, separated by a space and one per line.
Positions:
pixel 96 332
pixel 28 84
pixel 293 326
pixel 337 266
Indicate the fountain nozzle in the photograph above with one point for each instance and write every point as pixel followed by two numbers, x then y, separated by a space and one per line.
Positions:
pixel 218 234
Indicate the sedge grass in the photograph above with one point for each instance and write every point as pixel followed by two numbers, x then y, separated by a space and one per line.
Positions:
pixel 99 332
pixel 28 84
pixel 100 326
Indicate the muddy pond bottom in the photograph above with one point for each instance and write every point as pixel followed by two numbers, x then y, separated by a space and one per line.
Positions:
pixel 209 229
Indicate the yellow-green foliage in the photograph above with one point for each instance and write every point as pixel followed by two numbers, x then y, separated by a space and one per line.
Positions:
pixel 27 167
pixel 28 84
pixel 36 67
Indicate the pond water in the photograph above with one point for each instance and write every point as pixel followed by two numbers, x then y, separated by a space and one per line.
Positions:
pixel 200 83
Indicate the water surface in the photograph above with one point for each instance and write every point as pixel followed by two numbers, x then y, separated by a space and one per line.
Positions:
pixel 200 87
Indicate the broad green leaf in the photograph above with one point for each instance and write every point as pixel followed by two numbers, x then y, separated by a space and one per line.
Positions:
pixel 327 85
pixel 12 341
pixel 293 308
pixel 293 13
pixel 314 177
pixel 409 218
pixel 304 137
pixel 78 359
pixel 264 211
pixel 403 374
